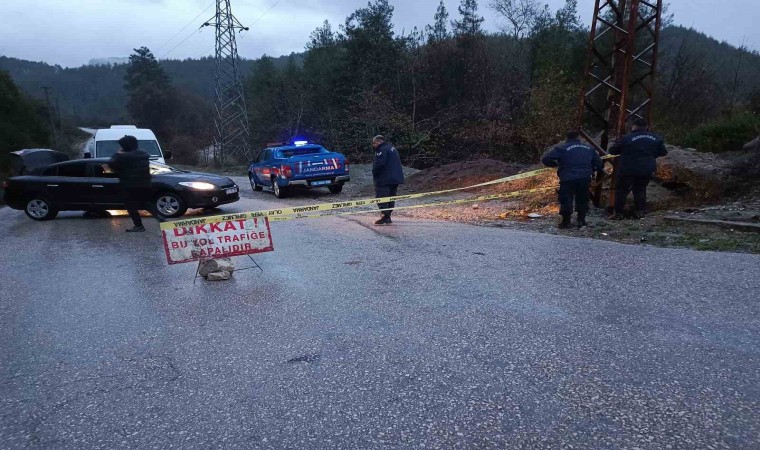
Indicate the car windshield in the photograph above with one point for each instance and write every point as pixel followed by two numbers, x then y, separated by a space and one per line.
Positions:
pixel 106 149
pixel 288 153
pixel 158 169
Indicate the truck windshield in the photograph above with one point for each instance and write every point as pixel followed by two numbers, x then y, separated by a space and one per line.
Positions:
pixel 106 149
pixel 288 153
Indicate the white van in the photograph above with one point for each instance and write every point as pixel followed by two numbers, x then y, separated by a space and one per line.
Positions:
pixel 105 142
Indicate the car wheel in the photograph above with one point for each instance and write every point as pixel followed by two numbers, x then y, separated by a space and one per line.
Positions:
pixel 169 204
pixel 40 209
pixel 336 188
pixel 254 185
pixel 279 192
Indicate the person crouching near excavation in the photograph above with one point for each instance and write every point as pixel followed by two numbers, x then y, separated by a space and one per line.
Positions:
pixel 576 163
pixel 387 174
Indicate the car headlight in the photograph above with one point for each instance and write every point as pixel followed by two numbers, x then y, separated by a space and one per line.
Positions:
pixel 198 185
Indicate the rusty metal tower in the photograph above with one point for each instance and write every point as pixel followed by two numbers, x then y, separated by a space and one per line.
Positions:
pixel 619 78
pixel 232 136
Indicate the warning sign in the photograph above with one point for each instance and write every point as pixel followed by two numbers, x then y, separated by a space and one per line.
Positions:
pixel 201 239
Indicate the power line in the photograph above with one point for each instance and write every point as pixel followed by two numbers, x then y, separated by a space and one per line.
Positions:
pixel 186 25
pixel 262 16
pixel 183 41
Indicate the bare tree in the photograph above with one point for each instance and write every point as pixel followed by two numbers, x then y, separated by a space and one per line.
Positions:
pixel 520 15
pixel 685 78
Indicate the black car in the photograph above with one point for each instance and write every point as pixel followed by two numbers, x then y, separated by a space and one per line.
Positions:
pixel 90 185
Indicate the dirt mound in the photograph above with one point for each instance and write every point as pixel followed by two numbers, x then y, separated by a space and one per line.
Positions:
pixel 702 176
pixel 460 174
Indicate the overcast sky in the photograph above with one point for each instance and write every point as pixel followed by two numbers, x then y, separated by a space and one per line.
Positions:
pixel 71 32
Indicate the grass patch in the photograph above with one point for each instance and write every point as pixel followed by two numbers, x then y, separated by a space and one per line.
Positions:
pixel 708 241
pixel 739 242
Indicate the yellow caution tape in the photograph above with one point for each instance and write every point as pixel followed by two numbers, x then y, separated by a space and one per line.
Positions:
pixel 482 198
pixel 279 212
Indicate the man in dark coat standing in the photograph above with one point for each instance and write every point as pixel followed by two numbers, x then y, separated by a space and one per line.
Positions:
pixel 387 174
pixel 638 153
pixel 132 165
pixel 576 163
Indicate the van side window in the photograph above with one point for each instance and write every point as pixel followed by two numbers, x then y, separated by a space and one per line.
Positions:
pixel 50 171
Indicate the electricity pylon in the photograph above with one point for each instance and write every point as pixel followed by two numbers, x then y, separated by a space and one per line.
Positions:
pixel 232 136
pixel 618 84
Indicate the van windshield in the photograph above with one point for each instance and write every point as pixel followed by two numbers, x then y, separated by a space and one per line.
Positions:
pixel 106 149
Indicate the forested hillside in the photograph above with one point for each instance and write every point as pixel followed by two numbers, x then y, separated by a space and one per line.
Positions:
pixel 447 92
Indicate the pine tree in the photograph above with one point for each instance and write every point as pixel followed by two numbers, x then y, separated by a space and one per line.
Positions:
pixel 439 32
pixel 321 37
pixel 372 51
pixel 470 24
pixel 567 16
pixel 22 120
pixel 151 99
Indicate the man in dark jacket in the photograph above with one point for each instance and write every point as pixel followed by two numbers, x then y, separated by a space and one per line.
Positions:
pixel 387 174
pixel 637 163
pixel 576 163
pixel 132 165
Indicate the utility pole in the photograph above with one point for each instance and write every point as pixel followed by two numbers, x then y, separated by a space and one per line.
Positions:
pixel 232 136
pixel 51 116
pixel 58 112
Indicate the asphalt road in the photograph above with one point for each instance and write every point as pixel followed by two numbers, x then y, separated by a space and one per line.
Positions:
pixel 423 334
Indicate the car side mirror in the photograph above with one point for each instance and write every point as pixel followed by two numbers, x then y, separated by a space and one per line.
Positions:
pixel 87 155
pixel 168 155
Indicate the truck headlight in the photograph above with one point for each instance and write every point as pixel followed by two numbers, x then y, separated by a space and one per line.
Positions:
pixel 198 185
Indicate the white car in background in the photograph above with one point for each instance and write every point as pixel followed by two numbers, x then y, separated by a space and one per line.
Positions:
pixel 105 142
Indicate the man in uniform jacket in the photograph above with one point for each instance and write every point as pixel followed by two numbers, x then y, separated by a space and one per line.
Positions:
pixel 387 174
pixel 638 153
pixel 576 162
pixel 132 165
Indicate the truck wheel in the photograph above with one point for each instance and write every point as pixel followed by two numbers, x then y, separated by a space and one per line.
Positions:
pixel 169 204
pixel 279 192
pixel 40 209
pixel 254 185
pixel 336 188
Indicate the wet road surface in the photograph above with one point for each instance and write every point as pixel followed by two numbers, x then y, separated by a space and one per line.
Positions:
pixel 423 334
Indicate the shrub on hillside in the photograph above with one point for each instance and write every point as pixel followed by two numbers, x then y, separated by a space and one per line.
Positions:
pixel 185 150
pixel 724 135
